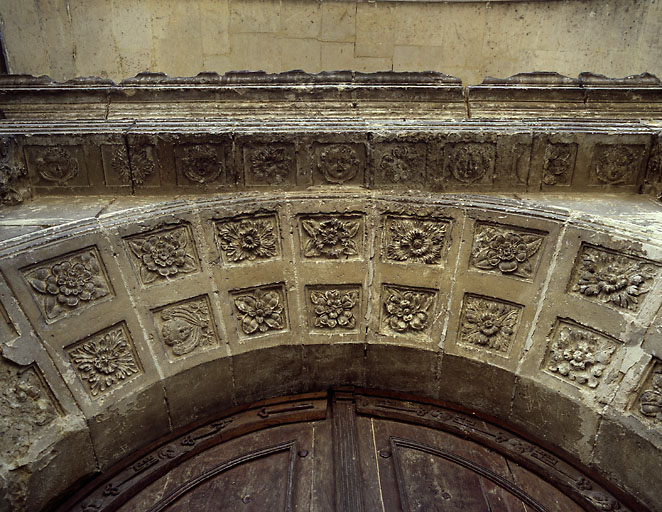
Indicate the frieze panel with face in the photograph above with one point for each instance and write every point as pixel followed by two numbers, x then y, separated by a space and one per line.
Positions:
pixel 163 255
pixel 260 310
pixel 578 354
pixel 201 164
pixel 407 310
pixel 338 163
pixel 334 309
pixel 559 163
pixel 67 284
pixel 106 360
pixel 248 239
pixel 271 164
pixel 616 164
pixel 57 166
pixel 649 401
pixel 614 279
pixel 186 327
pixel 414 240
pixel 27 408
pixel 505 250
pixel 489 323
pixel 331 236
pixel 469 163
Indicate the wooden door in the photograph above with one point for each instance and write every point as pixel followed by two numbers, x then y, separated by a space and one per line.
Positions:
pixel 350 451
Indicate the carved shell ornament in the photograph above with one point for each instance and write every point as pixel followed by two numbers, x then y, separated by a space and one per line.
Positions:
pixel 186 327
pixel 339 163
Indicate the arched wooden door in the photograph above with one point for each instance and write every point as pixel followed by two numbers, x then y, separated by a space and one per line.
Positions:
pixel 348 451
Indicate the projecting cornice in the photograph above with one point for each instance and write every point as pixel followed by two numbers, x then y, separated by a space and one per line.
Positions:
pixel 153 134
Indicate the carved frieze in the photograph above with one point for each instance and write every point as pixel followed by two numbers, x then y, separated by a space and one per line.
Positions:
pixel 616 164
pixel 105 360
pixel 334 309
pixel 260 310
pixel 271 164
pixel 414 240
pixel 248 239
pixel 186 326
pixel 489 323
pixel 27 409
pixel 339 163
pixel 200 164
pixel 559 163
pixel 579 355
pixel 332 236
pixel 136 166
pixel 614 279
pixel 649 402
pixel 400 163
pixel 469 163
pixel 406 310
pixel 70 283
pixel 505 250
pixel 162 255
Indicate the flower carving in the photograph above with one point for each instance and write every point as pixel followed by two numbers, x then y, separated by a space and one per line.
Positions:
pixel 339 163
pixel 650 401
pixel 415 240
pixel 470 162
pixel 335 308
pixel 139 169
pixel 69 284
pixel 163 255
pixel 559 160
pixel 398 165
pixel 407 310
pixel 332 237
pixel 105 360
pixel 186 327
pixel 489 323
pixel 201 163
pixel 503 250
pixel 612 278
pixel 56 165
pixel 248 239
pixel 614 163
pixel 260 311
pixel 579 356
pixel 270 165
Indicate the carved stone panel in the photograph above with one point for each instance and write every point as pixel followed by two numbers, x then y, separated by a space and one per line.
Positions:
pixel 163 255
pixel 331 236
pixel 260 310
pixel 406 310
pixel 68 284
pixel 469 163
pixel 106 360
pixel 186 326
pixel 200 164
pixel 489 323
pixel 124 165
pixel 248 239
pixel 649 400
pixel 334 309
pixel 612 278
pixel 13 185
pixel 559 163
pixel 27 408
pixel 400 163
pixel 414 240
pixel 270 164
pixel 578 354
pixel 57 166
pixel 338 164
pixel 506 250
pixel 616 164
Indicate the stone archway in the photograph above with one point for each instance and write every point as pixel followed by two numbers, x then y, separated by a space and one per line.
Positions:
pixel 129 316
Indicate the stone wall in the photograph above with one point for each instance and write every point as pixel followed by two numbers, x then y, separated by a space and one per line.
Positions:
pixel 119 38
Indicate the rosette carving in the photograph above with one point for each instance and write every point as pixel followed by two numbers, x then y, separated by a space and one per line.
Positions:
pixel 260 310
pixel 415 240
pixel 504 250
pixel 270 165
pixel 407 310
pixel 331 237
pixel 334 308
pixel 248 239
pixel 489 323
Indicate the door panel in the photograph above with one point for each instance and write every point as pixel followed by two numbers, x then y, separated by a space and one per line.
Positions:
pixel 350 453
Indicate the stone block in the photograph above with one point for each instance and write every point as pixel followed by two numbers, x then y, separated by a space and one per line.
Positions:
pixel 301 19
pixel 254 16
pixel 338 22
pixel 255 51
pixel 409 370
pixel 302 54
pixel 375 30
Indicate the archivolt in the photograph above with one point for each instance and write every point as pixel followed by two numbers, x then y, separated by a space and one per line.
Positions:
pixel 127 326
